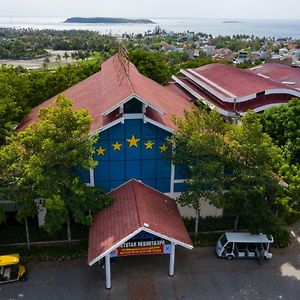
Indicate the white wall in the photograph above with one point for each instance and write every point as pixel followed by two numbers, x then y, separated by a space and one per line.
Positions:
pixel 206 208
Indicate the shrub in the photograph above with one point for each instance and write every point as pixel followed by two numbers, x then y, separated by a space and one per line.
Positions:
pixel 46 253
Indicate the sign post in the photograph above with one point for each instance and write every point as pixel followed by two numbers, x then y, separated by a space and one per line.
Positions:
pixel 172 260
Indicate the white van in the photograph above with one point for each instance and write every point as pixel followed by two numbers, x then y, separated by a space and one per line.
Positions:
pixel 243 245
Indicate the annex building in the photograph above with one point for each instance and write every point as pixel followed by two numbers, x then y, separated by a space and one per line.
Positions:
pixel 232 91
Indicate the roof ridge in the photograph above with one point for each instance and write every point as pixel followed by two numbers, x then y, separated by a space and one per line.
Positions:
pixel 125 65
pixel 136 202
pixel 129 81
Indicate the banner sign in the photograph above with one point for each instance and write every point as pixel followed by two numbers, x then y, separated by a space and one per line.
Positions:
pixel 142 248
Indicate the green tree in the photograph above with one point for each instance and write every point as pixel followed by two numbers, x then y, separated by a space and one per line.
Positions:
pixel 199 145
pixel 60 144
pixel 282 123
pixel 231 166
pixel 51 151
pixel 252 189
pixel 15 184
pixel 9 112
pixel 151 64
pixel 58 58
pixel 46 62
pixel 66 56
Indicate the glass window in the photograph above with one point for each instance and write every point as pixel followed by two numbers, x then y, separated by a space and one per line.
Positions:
pixel 241 246
pixel 251 247
pixel 228 247
pixel 223 240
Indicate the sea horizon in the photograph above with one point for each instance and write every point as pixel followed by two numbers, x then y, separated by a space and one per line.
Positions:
pixel 278 28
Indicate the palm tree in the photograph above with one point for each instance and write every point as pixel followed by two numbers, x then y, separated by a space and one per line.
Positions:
pixel 58 58
pixel 66 56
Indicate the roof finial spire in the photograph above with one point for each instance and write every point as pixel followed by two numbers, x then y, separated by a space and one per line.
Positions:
pixel 123 57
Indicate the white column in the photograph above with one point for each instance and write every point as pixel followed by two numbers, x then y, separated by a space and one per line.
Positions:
pixel 92 177
pixel 172 260
pixel 107 272
pixel 172 180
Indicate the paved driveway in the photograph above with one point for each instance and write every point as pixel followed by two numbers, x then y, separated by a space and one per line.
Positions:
pixel 199 275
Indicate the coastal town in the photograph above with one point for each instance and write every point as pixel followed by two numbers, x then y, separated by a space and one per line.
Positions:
pixel 155 165
pixel 240 50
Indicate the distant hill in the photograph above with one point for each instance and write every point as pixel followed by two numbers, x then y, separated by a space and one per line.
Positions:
pixel 232 22
pixel 107 20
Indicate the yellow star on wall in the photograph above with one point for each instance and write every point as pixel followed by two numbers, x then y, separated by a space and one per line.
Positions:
pixel 149 144
pixel 101 150
pixel 133 141
pixel 117 146
pixel 163 148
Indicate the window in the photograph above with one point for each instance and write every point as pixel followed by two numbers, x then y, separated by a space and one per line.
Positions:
pixel 133 106
pixel 228 247
pixel 223 240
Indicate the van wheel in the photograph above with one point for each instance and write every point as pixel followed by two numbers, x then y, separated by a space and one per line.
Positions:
pixel 229 257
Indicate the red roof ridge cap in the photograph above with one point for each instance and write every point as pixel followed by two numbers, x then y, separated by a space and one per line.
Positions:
pixel 129 80
pixel 152 188
pixel 137 203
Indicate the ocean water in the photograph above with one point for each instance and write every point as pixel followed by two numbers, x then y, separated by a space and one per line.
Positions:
pixel 261 28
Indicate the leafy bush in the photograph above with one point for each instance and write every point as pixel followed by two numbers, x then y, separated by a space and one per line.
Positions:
pixel 63 252
pixel 292 217
pixel 281 239
pixel 212 223
pixel 15 233
pixel 206 239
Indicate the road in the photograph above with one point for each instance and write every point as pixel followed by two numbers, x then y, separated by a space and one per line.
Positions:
pixel 199 275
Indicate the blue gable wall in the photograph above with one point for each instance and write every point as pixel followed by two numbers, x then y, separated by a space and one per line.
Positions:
pixel 115 167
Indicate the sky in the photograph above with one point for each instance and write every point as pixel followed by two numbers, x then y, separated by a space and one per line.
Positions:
pixel 235 9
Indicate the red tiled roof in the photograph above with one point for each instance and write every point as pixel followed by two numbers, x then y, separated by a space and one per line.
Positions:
pixel 110 87
pixel 232 82
pixel 136 206
pixel 232 91
pixel 280 73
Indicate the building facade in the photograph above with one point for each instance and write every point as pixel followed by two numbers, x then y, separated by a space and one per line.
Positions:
pixel 132 119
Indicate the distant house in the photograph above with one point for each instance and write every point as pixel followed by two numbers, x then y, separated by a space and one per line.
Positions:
pixel 259 55
pixel 209 50
pixel 224 54
pixel 242 57
pixel 296 59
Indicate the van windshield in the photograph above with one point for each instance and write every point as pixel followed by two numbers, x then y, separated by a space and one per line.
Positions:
pixel 223 240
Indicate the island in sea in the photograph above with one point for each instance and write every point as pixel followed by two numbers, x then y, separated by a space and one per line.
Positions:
pixel 232 22
pixel 107 20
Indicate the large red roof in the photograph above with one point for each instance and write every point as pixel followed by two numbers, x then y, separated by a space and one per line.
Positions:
pixel 136 207
pixel 232 91
pixel 119 80
pixel 288 76
pixel 231 82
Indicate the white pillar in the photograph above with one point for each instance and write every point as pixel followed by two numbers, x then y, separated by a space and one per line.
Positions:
pixel 92 177
pixel 172 260
pixel 172 180
pixel 107 272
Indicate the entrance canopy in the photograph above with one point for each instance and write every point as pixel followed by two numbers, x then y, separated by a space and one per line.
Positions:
pixel 136 207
